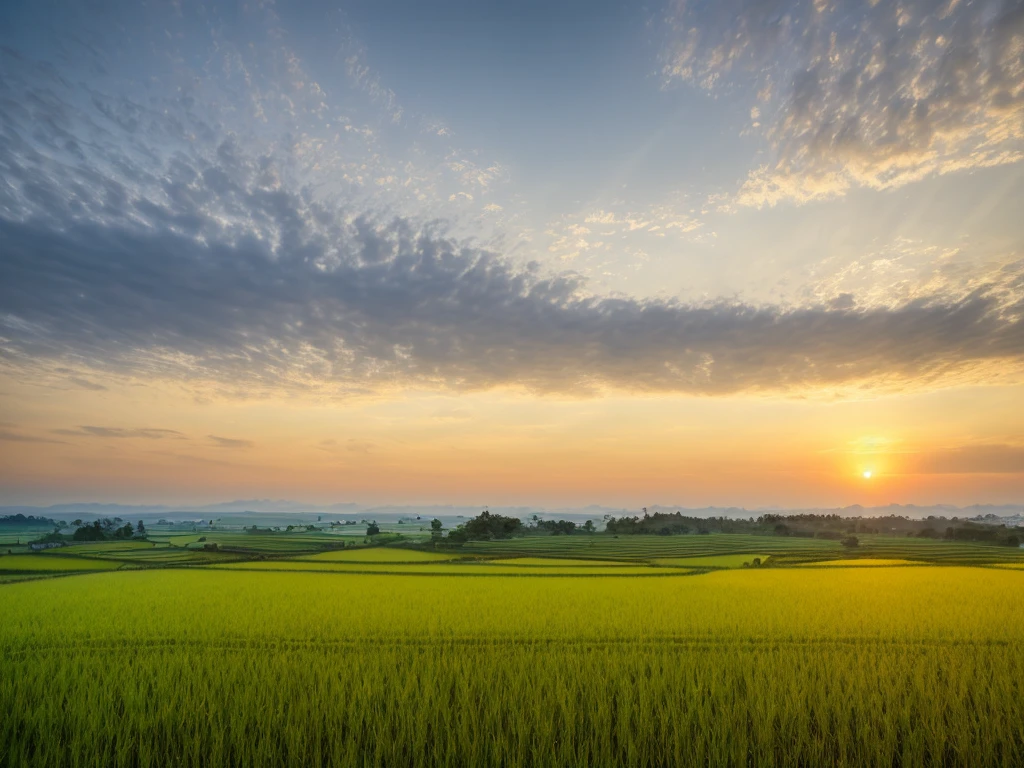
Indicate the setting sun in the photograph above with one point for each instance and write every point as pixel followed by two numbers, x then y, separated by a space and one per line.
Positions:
pixel 867 474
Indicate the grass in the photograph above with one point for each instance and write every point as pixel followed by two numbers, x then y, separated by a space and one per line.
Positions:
pixel 905 666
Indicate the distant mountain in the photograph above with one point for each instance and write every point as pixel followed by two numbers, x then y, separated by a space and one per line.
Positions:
pixel 295 511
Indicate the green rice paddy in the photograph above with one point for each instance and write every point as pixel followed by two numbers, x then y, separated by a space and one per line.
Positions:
pixel 503 653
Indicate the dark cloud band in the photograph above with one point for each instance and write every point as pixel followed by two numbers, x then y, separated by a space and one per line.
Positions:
pixel 406 308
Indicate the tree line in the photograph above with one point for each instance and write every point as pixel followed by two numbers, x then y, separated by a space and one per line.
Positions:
pixel 829 526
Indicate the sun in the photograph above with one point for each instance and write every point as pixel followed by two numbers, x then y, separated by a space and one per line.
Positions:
pixel 867 474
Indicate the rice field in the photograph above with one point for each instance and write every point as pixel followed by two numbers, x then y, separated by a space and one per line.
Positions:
pixel 862 562
pixel 552 562
pixel 52 563
pixel 639 547
pixel 491 568
pixel 714 561
pixel 783 548
pixel 379 555
pixel 101 548
pixel 397 656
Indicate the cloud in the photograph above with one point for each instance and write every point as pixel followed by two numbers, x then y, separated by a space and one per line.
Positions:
pixel 119 432
pixel 975 459
pixel 229 442
pixel 402 307
pixel 11 436
pixel 86 384
pixel 217 262
pixel 364 78
pixel 861 94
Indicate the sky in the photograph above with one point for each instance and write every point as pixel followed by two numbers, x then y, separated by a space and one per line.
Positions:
pixel 741 252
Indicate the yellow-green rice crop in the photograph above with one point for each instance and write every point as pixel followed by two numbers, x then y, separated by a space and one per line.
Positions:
pixel 872 666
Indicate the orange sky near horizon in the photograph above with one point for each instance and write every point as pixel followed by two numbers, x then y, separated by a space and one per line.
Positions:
pixel 158 443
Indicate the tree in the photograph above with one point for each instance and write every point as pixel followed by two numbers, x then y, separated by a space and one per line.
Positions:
pixel 92 532
pixel 556 527
pixel 458 536
pixel 435 529
pixel 851 542
pixel 372 529
pixel 588 527
pixel 487 526
pixel 141 528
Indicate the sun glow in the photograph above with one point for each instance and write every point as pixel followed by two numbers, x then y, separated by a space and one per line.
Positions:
pixel 867 474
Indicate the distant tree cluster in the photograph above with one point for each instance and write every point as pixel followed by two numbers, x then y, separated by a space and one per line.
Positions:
pixel 486 526
pixel 831 526
pixel 992 534
pixel 556 527
pixel 107 528
pixel 661 523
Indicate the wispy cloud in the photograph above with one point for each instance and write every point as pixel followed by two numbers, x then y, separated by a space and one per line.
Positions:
pixel 86 384
pixel 120 432
pixel 230 442
pixel 352 445
pixel 13 436
pixel 365 78
pixel 861 94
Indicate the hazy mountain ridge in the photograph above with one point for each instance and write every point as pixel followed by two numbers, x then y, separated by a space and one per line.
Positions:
pixel 1009 513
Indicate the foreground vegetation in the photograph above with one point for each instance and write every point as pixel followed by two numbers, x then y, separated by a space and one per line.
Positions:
pixel 903 666
pixel 286 648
